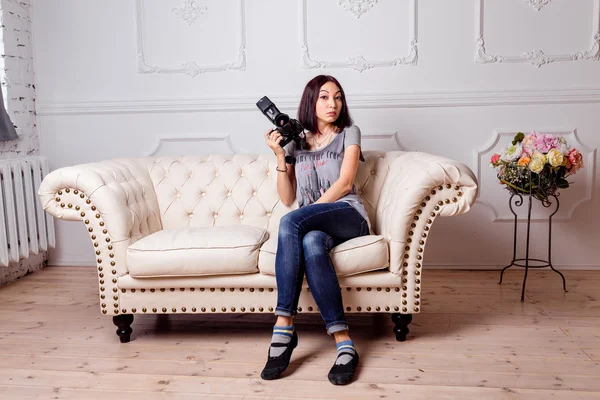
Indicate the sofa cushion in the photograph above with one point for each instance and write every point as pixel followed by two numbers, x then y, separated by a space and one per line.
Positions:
pixel 219 250
pixel 361 254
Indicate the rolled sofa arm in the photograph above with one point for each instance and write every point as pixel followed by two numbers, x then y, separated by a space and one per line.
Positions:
pixel 418 188
pixel 117 202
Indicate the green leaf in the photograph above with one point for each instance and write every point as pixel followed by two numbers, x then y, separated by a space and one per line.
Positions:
pixel 562 183
pixel 518 138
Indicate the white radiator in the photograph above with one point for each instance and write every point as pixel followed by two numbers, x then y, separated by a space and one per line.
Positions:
pixel 24 226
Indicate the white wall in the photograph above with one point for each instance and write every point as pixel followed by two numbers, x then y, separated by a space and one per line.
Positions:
pixel 18 77
pixel 18 88
pixel 130 78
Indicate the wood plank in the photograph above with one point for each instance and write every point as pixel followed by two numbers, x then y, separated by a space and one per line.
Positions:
pixel 474 339
pixel 447 368
pixel 408 392
pixel 216 385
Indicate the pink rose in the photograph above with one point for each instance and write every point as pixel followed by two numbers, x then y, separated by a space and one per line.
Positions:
pixel 529 143
pixel 529 138
pixel 576 160
pixel 543 143
pixel 551 141
pixel 495 159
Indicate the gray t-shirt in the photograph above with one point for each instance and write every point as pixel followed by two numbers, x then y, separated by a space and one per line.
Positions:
pixel 317 170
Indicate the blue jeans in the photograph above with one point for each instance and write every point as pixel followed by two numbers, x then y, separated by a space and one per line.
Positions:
pixel 306 236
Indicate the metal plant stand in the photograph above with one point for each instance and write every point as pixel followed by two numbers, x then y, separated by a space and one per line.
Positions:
pixel 519 261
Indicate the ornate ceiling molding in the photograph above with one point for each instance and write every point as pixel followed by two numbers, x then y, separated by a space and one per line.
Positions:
pixel 357 7
pixel 190 68
pixel 190 11
pixel 537 4
pixel 358 62
pixel 536 57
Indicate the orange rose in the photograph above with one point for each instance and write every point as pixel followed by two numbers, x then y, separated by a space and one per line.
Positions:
pixel 524 161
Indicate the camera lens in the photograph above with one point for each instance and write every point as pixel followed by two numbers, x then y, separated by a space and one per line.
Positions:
pixel 281 119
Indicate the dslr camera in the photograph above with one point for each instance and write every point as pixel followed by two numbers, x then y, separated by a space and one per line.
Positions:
pixel 290 129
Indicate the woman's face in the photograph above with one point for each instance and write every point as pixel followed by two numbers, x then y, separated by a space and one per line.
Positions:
pixel 329 103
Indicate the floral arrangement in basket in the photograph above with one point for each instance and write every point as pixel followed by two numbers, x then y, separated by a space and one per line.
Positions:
pixel 537 163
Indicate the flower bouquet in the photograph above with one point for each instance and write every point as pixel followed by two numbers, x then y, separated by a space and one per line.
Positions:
pixel 538 164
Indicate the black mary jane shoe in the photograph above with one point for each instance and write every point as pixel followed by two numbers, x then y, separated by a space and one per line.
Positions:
pixel 277 365
pixel 343 374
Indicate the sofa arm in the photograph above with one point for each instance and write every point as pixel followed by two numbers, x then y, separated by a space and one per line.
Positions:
pixel 418 188
pixel 115 199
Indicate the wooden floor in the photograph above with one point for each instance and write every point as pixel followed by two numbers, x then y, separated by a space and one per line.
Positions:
pixel 474 339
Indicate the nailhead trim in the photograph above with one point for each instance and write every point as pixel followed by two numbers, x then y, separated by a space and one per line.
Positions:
pixel 252 309
pixel 261 309
pixel 95 239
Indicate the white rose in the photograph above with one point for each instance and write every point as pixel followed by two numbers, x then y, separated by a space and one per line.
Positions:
pixel 512 152
pixel 555 157
pixel 540 156
pixel 536 165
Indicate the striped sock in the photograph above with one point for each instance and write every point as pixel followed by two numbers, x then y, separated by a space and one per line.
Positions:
pixel 282 335
pixel 345 351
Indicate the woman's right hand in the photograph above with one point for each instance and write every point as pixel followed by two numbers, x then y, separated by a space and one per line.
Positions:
pixel 273 138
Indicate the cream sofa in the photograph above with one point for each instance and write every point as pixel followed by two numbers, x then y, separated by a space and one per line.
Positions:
pixel 199 234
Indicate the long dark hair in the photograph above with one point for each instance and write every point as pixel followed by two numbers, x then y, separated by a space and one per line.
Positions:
pixel 306 110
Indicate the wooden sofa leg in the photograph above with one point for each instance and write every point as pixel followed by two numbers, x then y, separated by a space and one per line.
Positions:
pixel 123 323
pixel 401 322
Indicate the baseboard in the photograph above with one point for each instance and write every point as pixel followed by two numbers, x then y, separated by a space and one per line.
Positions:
pixel 473 267
pixel 68 263
pixel 493 267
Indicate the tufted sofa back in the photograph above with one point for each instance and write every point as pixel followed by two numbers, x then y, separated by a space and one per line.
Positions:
pixel 216 190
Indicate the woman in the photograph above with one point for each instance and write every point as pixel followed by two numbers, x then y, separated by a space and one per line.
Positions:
pixel 322 181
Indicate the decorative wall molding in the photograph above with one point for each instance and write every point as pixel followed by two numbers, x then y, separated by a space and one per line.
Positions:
pixel 357 7
pixel 537 4
pixel 535 57
pixel 190 11
pixel 386 139
pixel 188 139
pixel 190 68
pixel 481 161
pixel 358 62
pixel 358 101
